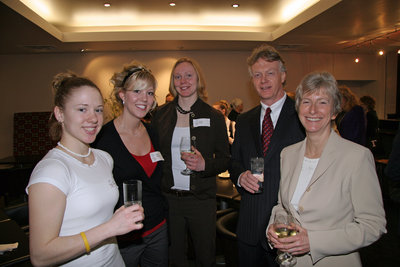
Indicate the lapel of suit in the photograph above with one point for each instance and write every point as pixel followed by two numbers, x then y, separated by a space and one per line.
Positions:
pixel 327 158
pixel 293 159
pixel 297 160
pixel 254 122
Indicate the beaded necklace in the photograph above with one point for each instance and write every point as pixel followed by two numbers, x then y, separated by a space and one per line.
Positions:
pixel 181 110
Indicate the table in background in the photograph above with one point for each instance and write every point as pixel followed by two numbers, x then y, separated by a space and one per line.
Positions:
pixel 14 177
pixel 226 191
pixel 10 232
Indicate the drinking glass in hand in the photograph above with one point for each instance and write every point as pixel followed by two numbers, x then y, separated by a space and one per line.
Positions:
pixel 132 190
pixel 257 169
pixel 283 227
pixel 186 146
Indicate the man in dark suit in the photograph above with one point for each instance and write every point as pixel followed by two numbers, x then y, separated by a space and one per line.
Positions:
pixel 268 74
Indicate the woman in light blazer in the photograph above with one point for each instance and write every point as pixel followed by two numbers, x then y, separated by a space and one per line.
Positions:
pixel 328 184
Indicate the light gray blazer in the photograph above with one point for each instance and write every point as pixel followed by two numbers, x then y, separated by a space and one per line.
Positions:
pixel 342 206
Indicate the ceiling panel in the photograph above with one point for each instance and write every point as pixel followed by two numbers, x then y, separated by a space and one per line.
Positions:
pixel 327 26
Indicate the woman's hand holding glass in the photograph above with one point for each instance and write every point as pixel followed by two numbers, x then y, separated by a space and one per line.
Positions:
pixel 194 160
pixel 127 219
pixel 278 234
pixel 291 239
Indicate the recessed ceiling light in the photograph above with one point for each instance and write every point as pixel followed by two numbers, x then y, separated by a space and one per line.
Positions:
pixel 107 4
pixel 356 60
pixel 172 4
pixel 398 51
pixel 380 52
pixel 235 5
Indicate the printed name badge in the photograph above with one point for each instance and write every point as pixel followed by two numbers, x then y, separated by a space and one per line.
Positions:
pixel 156 156
pixel 201 122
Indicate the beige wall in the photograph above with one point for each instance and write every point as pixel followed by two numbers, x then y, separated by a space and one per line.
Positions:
pixel 25 79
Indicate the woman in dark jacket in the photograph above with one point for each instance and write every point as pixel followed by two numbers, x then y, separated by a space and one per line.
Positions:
pixel 191 198
pixel 351 121
pixel 135 150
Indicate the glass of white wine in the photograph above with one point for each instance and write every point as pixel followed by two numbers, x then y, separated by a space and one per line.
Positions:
pixel 283 227
pixel 186 146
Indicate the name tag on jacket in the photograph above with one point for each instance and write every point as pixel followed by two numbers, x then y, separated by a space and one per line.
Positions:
pixel 204 122
pixel 156 156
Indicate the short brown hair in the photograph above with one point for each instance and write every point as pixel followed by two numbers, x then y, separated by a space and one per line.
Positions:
pixel 267 53
pixel 314 82
pixel 63 85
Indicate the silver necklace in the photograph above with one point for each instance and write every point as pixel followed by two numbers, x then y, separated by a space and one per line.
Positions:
pixel 73 153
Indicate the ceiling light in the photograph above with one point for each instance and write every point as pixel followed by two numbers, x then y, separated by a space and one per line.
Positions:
pixel 172 4
pixel 398 51
pixel 235 5
pixel 356 60
pixel 107 4
pixel 381 52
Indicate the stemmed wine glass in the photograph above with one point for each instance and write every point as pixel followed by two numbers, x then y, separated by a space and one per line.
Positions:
pixel 283 227
pixel 186 146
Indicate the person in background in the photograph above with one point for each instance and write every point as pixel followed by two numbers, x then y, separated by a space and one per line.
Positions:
pixel 236 109
pixel 133 146
pixel 169 98
pixel 268 73
pixel 392 171
pixel 368 103
pixel 223 107
pixel 351 122
pixel 71 191
pixel 291 95
pixel 328 184
pixel 191 198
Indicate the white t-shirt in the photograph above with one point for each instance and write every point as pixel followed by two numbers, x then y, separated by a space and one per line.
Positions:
pixel 181 182
pixel 91 195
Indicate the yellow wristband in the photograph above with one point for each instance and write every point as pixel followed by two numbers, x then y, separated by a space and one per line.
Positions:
pixel 86 242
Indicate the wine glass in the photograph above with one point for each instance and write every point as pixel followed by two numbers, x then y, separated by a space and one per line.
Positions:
pixel 283 227
pixel 186 146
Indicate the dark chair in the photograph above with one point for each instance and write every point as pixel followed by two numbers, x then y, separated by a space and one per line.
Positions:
pixel 20 214
pixel 226 227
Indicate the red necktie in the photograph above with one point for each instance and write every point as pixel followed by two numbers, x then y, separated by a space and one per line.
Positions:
pixel 267 130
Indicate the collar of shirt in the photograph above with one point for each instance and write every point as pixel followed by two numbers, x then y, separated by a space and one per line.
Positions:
pixel 275 111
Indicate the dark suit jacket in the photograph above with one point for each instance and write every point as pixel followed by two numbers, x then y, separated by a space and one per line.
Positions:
pixel 212 142
pixel 255 209
pixel 393 167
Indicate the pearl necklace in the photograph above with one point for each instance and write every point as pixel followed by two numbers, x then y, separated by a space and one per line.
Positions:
pixel 73 153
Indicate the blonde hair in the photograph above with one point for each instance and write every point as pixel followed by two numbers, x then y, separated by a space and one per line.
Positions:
pixel 350 99
pixel 134 76
pixel 201 85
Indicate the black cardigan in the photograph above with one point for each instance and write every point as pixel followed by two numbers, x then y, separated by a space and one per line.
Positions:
pixel 126 167
pixel 212 142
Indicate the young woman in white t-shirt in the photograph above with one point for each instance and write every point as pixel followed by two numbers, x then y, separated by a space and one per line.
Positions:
pixel 72 192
